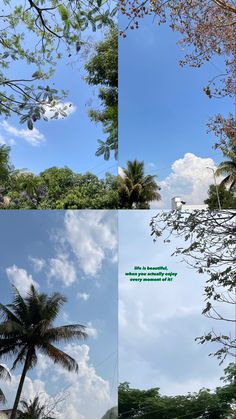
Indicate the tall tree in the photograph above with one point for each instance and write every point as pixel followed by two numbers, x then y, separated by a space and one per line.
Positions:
pixel 28 327
pixel 39 33
pixel 4 375
pixel 102 69
pixel 227 198
pixel 136 189
pixel 211 250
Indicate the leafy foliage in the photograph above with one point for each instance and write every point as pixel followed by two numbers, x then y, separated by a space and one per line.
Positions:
pixel 210 249
pixel 33 410
pixel 146 404
pixel 102 69
pixel 54 29
pixel 137 190
pixel 55 188
pixel 4 375
pixel 28 327
pixel 227 198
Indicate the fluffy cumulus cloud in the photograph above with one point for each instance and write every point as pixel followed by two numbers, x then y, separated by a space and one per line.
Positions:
pixel 34 137
pixel 189 179
pixel 92 236
pixel 20 279
pixel 63 110
pixel 63 269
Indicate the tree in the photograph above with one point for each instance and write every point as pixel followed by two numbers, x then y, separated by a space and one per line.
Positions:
pixel 33 410
pixel 54 29
pixel 146 404
pixel 111 414
pixel 58 188
pixel 28 327
pixel 102 69
pixel 136 189
pixel 5 166
pixel 229 166
pixel 227 198
pixel 4 375
pixel 207 29
pixel 210 249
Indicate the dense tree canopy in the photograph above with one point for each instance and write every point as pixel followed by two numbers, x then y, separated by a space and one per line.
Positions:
pixel 210 249
pixel 146 404
pixel 54 188
pixel 227 198
pixel 38 33
pixel 102 69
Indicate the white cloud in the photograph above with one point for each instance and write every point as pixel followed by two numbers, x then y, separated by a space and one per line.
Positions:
pixel 83 296
pixel 21 279
pixel 189 179
pixel 62 269
pixel 91 235
pixel 38 264
pixel 92 332
pixel 33 137
pixel 88 393
pixel 67 107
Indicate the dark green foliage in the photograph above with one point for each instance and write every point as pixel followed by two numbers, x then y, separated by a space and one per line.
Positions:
pixel 33 410
pixel 102 69
pixel 150 404
pixel 55 188
pixel 227 198
pixel 137 190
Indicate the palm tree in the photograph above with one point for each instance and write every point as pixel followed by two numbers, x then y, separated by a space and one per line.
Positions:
pixel 136 189
pixel 228 167
pixel 4 374
pixel 33 410
pixel 28 327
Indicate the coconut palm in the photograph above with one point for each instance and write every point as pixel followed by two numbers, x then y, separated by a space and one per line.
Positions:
pixel 136 189
pixel 228 167
pixel 33 410
pixel 28 327
pixel 4 374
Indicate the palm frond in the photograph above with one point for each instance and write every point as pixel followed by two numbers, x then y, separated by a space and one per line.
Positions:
pixel 60 357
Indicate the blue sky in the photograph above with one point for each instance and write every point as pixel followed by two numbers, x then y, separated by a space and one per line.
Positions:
pixel 163 110
pixel 73 253
pixel 68 142
pixel 159 321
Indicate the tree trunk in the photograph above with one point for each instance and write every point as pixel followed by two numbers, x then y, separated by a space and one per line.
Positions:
pixel 21 383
